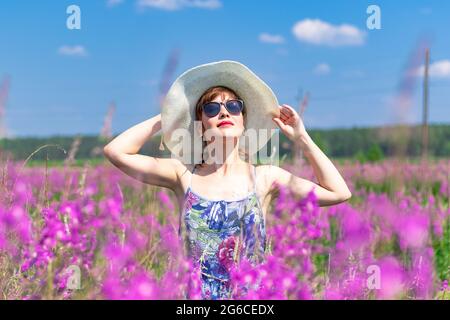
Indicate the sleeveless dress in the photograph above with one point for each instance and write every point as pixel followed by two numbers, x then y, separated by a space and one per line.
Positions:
pixel 218 231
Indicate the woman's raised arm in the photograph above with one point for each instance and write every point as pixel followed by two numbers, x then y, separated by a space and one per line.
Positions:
pixel 332 188
pixel 123 150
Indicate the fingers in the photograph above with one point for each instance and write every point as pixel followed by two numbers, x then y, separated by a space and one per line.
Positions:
pixel 284 117
pixel 288 107
pixel 278 122
pixel 283 109
pixel 285 114
pixel 287 110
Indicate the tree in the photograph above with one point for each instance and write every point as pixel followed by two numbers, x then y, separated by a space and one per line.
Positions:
pixel 375 154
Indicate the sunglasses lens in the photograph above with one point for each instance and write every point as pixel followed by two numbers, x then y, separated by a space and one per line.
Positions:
pixel 211 109
pixel 234 106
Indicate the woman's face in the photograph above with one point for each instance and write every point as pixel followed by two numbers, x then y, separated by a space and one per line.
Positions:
pixel 224 123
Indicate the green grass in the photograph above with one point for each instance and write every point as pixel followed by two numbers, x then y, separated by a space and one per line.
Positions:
pixel 60 163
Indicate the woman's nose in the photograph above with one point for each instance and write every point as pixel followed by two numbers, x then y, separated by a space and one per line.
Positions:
pixel 223 111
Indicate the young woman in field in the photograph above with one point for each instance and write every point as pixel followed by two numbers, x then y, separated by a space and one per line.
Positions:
pixel 223 197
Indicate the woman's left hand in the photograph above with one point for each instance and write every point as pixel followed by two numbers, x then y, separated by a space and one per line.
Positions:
pixel 290 123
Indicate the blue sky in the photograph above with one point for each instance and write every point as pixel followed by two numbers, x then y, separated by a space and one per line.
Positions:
pixel 62 80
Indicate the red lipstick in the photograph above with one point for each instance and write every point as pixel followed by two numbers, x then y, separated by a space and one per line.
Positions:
pixel 225 123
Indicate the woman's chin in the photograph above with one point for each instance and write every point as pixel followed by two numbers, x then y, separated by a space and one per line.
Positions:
pixel 230 134
pixel 227 132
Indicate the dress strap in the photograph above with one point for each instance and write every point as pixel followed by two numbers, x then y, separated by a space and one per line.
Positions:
pixel 254 179
pixel 182 213
pixel 192 173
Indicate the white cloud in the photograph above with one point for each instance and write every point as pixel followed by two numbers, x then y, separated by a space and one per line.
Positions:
pixel 171 5
pixel 271 38
pixel 76 51
pixel 322 69
pixel 113 3
pixel 319 32
pixel 438 69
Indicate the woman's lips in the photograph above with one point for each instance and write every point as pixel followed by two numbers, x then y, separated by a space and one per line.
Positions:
pixel 225 123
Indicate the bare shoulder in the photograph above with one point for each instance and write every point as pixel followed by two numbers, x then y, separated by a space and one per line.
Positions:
pixel 266 175
pixel 271 176
pixel 181 169
pixel 268 171
pixel 276 176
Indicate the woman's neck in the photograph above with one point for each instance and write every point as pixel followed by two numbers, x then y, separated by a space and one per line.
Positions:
pixel 223 161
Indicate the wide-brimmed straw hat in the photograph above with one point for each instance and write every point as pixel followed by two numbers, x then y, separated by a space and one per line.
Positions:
pixel 178 107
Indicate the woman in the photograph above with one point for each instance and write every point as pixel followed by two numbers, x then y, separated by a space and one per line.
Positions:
pixel 224 198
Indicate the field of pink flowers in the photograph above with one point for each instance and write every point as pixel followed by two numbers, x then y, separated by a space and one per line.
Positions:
pixel 93 233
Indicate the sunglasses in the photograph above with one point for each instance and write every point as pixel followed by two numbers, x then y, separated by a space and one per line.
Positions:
pixel 234 107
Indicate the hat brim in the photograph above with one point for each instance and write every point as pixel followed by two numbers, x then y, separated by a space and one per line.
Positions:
pixel 178 108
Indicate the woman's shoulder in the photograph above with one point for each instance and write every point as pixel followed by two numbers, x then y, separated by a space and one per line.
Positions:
pixel 266 173
pixel 183 168
pixel 266 169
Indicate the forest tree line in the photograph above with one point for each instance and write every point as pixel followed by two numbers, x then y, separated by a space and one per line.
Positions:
pixel 365 144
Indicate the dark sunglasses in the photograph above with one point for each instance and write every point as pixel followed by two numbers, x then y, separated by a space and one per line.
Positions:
pixel 234 107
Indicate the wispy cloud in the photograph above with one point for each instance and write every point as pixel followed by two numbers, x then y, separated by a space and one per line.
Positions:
pixel 439 69
pixel 113 3
pixel 271 38
pixel 171 5
pixel 322 69
pixel 319 32
pixel 75 51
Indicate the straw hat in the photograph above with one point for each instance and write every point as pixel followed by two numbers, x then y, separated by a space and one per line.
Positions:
pixel 178 108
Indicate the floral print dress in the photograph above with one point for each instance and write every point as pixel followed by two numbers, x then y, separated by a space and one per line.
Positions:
pixel 216 231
